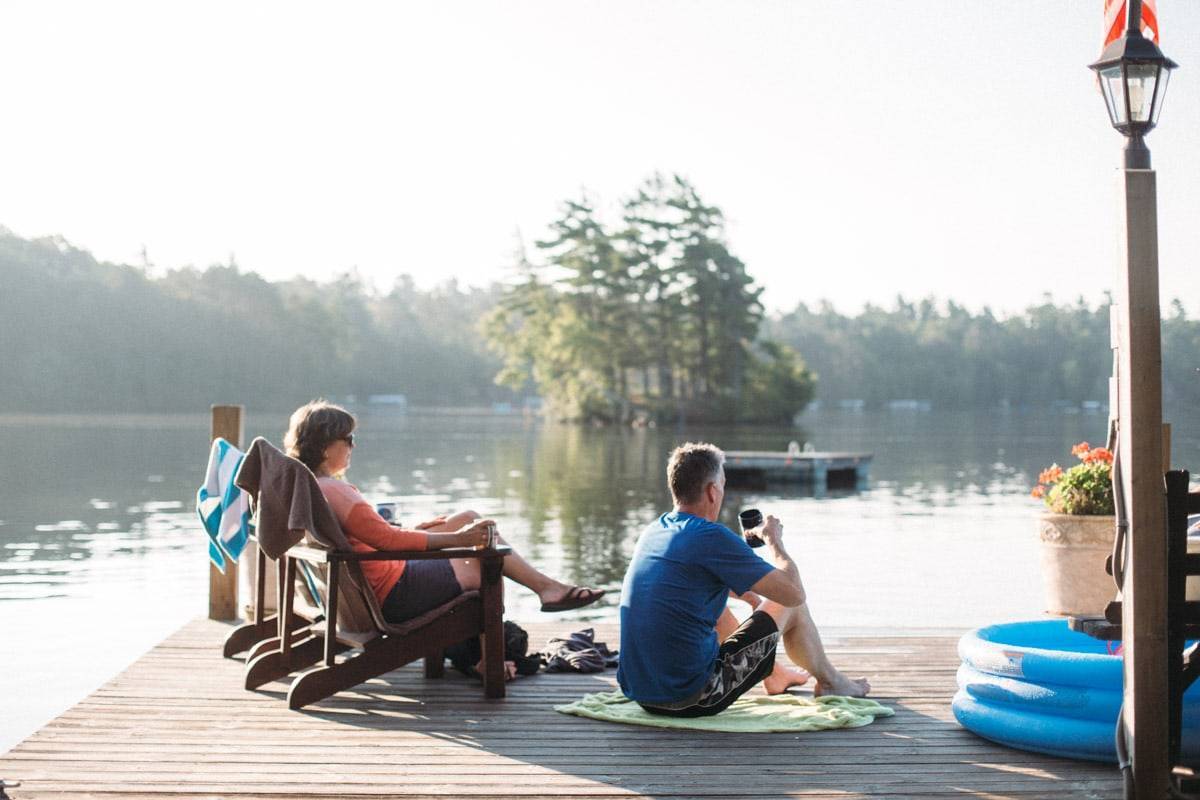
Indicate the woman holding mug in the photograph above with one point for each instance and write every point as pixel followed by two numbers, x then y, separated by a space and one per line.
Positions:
pixel 321 435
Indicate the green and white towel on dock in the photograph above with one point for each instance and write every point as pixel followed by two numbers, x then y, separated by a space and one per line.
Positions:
pixel 776 714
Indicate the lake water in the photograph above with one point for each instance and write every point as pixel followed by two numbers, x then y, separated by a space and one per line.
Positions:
pixel 101 554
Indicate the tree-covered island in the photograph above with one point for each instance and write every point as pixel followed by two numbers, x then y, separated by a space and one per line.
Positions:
pixel 653 319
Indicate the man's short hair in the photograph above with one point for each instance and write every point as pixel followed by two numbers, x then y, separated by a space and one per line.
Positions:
pixel 692 466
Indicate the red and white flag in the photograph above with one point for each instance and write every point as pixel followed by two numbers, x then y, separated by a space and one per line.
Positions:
pixel 1114 20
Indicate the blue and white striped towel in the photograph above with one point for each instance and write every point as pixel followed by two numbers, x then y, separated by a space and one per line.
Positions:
pixel 224 508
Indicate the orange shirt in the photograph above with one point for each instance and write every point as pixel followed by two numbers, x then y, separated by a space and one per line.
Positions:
pixel 367 531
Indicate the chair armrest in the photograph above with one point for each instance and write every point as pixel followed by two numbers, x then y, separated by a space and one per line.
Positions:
pixel 315 555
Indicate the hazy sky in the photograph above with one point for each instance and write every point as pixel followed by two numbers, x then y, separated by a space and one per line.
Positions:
pixel 859 148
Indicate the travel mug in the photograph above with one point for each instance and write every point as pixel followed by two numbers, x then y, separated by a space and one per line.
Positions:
pixel 749 519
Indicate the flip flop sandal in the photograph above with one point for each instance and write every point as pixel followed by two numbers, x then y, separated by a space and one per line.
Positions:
pixel 576 597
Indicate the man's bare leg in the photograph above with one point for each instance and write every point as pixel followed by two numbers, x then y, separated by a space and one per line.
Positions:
pixel 803 645
pixel 782 678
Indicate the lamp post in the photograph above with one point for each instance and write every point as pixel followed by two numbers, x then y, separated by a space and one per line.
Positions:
pixel 1133 76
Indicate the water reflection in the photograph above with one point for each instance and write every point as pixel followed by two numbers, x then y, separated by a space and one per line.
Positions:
pixel 568 497
pixel 106 501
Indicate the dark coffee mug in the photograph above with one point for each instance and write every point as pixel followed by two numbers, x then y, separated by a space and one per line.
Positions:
pixel 751 518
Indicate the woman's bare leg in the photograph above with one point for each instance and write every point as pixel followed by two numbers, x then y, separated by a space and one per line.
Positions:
pixel 516 568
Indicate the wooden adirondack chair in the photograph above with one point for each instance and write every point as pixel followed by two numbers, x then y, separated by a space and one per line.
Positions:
pixel 333 610
pixel 382 646
pixel 249 635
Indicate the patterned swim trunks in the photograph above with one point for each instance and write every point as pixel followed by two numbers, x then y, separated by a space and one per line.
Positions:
pixel 745 658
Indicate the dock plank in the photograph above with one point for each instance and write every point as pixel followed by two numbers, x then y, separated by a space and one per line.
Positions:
pixel 177 724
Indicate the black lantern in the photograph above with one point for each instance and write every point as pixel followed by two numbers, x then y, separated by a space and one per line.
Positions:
pixel 1133 75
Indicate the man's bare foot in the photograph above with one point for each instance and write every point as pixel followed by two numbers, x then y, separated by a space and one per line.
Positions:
pixel 842 686
pixel 784 677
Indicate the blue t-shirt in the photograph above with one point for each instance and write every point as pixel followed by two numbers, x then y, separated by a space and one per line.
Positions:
pixel 675 588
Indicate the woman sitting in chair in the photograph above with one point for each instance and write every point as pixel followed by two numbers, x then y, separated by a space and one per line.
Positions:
pixel 321 435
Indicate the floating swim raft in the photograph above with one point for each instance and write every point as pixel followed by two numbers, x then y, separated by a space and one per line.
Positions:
pixel 822 469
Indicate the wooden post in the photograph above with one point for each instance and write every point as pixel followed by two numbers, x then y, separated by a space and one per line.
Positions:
pixel 1166 447
pixel 1140 432
pixel 222 589
pixel 820 477
pixel 491 586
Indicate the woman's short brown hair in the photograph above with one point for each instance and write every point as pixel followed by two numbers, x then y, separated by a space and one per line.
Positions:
pixel 313 427
pixel 693 465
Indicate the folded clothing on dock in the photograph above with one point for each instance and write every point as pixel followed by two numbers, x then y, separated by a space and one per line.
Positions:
pixel 784 713
pixel 578 652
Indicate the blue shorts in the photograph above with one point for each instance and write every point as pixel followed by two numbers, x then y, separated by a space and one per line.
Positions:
pixel 424 585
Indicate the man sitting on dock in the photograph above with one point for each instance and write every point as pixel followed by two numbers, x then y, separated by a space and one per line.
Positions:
pixel 685 566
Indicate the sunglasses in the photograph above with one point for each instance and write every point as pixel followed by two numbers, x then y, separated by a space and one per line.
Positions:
pixel 349 439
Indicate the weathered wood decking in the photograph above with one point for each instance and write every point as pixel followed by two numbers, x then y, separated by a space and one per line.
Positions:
pixel 177 723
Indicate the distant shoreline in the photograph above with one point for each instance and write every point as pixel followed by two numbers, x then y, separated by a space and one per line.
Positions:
pixel 182 420
pixel 108 419
pixel 201 419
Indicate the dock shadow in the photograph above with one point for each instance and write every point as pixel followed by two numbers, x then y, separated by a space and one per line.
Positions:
pixel 920 752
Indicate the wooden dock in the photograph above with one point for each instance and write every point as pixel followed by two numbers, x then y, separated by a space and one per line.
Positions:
pixel 824 470
pixel 178 724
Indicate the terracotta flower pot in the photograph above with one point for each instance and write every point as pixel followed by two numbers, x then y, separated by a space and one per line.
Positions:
pixel 1073 552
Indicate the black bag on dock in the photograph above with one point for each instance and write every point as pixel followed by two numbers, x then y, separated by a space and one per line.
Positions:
pixel 466 654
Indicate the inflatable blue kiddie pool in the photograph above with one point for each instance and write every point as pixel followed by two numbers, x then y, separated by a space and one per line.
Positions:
pixel 1043 687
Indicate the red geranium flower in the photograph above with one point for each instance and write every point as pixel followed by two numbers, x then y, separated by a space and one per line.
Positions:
pixel 1050 475
pixel 1085 488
